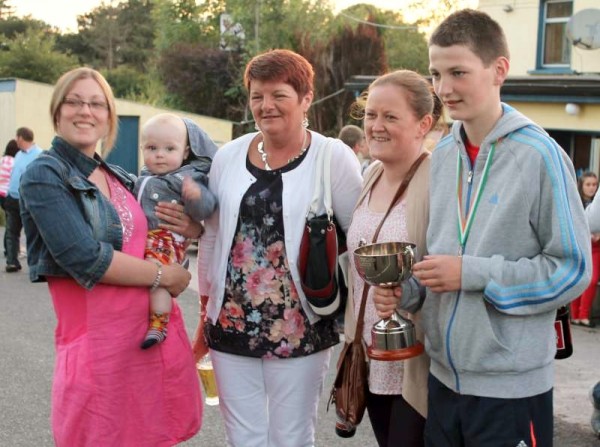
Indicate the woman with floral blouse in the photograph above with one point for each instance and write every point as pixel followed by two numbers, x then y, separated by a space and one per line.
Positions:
pixel 269 350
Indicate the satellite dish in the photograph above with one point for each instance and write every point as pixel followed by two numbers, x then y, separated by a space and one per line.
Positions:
pixel 583 29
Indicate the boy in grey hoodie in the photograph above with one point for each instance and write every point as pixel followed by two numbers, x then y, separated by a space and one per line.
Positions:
pixel 177 158
pixel 508 245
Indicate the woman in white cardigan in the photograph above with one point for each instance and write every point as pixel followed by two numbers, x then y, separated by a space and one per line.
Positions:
pixel 398 111
pixel 270 352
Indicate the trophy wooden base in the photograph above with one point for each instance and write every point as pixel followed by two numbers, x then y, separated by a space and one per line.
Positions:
pixel 395 354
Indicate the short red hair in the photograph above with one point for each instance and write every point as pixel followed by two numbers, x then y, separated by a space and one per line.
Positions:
pixel 281 66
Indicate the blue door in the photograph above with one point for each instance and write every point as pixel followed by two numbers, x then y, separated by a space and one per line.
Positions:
pixel 125 152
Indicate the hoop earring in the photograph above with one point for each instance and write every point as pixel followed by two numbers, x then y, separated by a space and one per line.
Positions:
pixel 256 126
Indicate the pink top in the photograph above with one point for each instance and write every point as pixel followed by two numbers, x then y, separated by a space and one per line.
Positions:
pixel 6 165
pixel 384 377
pixel 107 391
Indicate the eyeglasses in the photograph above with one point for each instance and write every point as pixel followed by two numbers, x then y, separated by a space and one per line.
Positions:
pixel 95 106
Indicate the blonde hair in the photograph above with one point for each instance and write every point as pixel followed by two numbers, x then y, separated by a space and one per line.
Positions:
pixel 165 119
pixel 64 86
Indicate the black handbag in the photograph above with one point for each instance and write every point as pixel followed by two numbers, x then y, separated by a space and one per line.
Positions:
pixel 321 276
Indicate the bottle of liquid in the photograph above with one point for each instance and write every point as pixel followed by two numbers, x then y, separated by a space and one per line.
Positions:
pixel 562 326
pixel 209 382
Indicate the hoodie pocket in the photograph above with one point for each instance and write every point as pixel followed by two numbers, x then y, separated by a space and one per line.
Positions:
pixel 483 339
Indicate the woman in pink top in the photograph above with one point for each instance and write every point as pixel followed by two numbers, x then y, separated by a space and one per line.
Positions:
pixel 6 165
pixel 398 112
pixel 581 307
pixel 106 390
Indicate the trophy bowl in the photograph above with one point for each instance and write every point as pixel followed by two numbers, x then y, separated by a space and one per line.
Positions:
pixel 387 264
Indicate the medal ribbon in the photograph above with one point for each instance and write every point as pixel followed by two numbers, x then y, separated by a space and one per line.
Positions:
pixel 465 222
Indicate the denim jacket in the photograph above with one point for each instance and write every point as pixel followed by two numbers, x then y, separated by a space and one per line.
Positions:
pixel 72 229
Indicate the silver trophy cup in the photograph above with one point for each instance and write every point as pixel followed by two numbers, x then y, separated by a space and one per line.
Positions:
pixel 387 264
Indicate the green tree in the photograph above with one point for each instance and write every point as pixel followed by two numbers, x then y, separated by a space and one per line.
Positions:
pixel 110 36
pixel 136 24
pixel 127 82
pixel 6 9
pixel 200 79
pixel 350 51
pixel 405 46
pixel 280 24
pixel 99 31
pixel 188 32
pixel 12 26
pixel 31 56
pixel 75 45
pixel 182 21
pixel 433 12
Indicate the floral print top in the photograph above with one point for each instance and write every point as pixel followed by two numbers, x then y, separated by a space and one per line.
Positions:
pixel 262 315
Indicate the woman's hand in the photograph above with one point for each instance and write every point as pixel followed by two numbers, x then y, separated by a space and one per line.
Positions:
pixel 175 279
pixel 386 299
pixel 174 219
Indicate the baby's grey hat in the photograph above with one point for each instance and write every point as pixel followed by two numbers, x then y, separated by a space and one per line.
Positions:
pixel 200 143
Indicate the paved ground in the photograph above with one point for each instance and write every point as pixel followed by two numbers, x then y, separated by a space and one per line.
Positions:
pixel 27 322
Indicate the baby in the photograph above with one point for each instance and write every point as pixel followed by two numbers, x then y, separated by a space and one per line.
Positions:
pixel 177 158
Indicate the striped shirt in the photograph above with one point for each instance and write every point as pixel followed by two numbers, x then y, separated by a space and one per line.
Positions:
pixel 6 165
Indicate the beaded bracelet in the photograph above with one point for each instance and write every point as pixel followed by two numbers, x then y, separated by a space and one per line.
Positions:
pixel 156 282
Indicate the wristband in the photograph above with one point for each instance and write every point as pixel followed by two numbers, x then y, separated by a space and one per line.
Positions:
pixel 156 282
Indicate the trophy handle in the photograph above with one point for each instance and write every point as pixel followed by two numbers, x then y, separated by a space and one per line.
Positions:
pixel 407 261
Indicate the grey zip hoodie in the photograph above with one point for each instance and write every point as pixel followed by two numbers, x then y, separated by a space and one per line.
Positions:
pixel 528 253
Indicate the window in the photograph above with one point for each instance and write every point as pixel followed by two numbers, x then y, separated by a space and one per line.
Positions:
pixel 556 49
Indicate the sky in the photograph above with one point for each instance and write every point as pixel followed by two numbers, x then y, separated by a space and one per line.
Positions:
pixel 63 13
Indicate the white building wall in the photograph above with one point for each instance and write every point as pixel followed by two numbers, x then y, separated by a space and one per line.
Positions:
pixel 32 109
pixel 521 26
pixel 29 105
pixel 553 116
pixel 8 121
pixel 586 61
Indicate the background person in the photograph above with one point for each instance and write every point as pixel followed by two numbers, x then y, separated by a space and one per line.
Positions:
pixel 354 137
pixel 398 113
pixel 28 152
pixel 6 164
pixel 106 391
pixel 581 307
pixel 177 157
pixel 269 350
pixel 593 217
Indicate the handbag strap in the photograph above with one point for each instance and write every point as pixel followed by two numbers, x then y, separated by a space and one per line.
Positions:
pixel 401 188
pixel 322 188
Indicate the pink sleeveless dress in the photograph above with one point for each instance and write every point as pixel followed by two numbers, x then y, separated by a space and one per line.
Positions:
pixel 106 390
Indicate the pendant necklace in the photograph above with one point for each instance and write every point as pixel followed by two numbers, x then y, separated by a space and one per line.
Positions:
pixel 263 154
